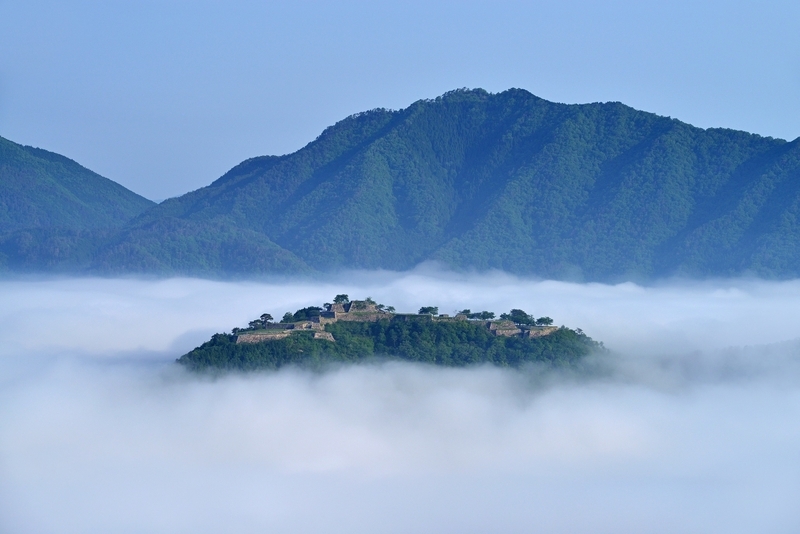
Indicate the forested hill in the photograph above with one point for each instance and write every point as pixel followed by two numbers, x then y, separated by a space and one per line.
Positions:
pixel 54 213
pixel 508 181
pixel 479 181
pixel 41 189
pixel 359 331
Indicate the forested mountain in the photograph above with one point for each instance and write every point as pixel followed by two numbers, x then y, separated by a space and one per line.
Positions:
pixel 478 181
pixel 508 181
pixel 54 212
pixel 40 189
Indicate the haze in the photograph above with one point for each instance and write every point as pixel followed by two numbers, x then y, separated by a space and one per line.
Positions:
pixel 689 425
pixel 164 97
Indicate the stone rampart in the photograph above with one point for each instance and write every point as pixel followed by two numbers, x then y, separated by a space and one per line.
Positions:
pixel 324 335
pixel 263 336
pixel 448 319
pixel 507 332
pixel 412 317
pixel 274 331
pixel 539 331
pixel 365 317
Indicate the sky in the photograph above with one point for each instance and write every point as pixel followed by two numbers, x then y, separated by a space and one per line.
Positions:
pixel 164 97
pixel 691 425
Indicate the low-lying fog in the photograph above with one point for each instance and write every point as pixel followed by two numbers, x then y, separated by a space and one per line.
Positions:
pixel 692 424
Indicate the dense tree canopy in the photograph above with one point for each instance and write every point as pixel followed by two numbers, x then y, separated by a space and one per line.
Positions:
pixel 476 181
pixel 455 343
pixel 513 182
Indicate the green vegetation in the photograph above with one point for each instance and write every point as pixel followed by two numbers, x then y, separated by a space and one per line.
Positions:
pixel 514 182
pixel 457 343
pixel 40 189
pixel 304 314
pixel 415 338
pixel 473 180
pixel 53 212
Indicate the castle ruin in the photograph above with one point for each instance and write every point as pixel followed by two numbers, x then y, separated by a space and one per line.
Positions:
pixel 367 311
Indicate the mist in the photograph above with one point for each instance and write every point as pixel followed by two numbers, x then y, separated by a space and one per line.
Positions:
pixel 688 424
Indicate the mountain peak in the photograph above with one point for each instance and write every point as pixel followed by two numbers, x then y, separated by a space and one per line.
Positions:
pixel 480 180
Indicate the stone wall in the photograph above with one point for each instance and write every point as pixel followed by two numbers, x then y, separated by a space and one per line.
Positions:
pixel 307 325
pixel 503 328
pixel 540 331
pixel 365 317
pixel 263 336
pixel 412 317
pixel 507 332
pixel 324 335
pixel 370 314
pixel 360 306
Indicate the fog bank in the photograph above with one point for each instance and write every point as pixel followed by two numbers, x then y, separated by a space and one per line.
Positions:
pixel 690 424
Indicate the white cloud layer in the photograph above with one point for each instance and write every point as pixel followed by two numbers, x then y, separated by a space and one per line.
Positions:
pixel 689 426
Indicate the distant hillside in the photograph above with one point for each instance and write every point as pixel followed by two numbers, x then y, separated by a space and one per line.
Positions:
pixel 471 179
pixel 507 181
pixel 55 213
pixel 40 189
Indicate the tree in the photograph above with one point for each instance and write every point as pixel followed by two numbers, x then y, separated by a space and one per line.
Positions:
pixel 266 318
pixel 486 316
pixel 429 310
pixel 255 325
pixel 288 317
pixel 518 317
pixel 341 299
pixel 390 309
pixel 466 312
pixel 306 314
pixel 544 321
pixel 369 300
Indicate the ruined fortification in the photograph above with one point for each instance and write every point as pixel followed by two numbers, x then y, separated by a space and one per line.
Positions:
pixel 366 311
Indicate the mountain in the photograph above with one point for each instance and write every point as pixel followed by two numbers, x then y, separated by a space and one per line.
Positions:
pixel 54 211
pixel 40 189
pixel 478 181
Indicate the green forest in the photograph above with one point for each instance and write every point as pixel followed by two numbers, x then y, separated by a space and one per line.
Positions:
pixel 473 180
pixel 412 338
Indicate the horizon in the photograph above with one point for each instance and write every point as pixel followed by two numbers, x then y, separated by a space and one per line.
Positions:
pixel 393 110
pixel 164 98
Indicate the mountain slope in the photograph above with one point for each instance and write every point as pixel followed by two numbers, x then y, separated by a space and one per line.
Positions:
pixel 171 245
pixel 511 181
pixel 53 212
pixel 40 189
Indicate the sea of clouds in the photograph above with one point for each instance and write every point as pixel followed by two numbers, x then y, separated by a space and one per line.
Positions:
pixel 690 424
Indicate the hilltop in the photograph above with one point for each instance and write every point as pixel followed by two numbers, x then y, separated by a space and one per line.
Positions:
pixel 348 332
pixel 507 181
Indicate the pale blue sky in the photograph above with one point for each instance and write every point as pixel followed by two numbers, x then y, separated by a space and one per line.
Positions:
pixel 164 97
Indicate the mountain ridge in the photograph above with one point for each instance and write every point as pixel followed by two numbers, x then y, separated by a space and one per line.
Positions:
pixel 477 180
pixel 53 211
pixel 67 195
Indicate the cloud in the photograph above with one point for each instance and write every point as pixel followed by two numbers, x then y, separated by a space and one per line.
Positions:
pixel 689 425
